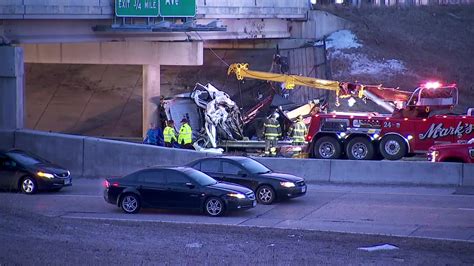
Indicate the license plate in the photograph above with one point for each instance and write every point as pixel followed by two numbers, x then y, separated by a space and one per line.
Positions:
pixel 254 203
pixel 303 189
pixel 67 181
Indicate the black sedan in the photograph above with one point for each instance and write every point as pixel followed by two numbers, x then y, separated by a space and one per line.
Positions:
pixel 20 170
pixel 176 188
pixel 267 185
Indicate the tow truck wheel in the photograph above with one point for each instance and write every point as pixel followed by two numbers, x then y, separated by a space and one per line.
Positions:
pixel 393 147
pixel 360 148
pixel 327 148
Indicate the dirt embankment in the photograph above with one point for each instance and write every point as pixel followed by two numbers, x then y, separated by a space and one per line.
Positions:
pixel 432 42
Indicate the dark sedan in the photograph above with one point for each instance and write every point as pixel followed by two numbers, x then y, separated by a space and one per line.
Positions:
pixel 267 185
pixel 20 170
pixel 176 188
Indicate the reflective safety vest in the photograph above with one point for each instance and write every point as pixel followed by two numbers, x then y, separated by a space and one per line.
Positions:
pixel 298 132
pixel 169 134
pixel 271 129
pixel 185 134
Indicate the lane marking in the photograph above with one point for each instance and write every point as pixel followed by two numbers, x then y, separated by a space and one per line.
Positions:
pixel 76 195
pixel 466 209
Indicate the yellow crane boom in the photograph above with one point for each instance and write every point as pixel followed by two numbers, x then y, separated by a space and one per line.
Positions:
pixel 242 71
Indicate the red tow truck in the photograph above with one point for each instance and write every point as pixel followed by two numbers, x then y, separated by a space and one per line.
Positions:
pixel 411 127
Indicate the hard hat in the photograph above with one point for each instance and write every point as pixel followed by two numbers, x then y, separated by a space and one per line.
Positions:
pixel 275 115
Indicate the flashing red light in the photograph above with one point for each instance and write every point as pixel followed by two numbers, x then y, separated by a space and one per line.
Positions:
pixel 308 138
pixel 444 116
pixel 432 84
pixel 406 119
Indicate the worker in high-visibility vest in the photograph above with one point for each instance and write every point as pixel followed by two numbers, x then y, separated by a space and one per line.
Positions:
pixel 272 132
pixel 298 131
pixel 170 134
pixel 185 137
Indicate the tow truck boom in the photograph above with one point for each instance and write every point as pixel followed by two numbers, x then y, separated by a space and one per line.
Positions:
pixel 388 98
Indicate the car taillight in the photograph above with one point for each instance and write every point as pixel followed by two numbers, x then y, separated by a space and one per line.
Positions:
pixel 106 184
pixel 115 184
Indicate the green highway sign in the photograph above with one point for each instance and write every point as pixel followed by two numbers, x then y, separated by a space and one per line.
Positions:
pixel 136 8
pixel 177 8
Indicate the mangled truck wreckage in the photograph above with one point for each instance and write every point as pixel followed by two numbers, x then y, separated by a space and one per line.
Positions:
pixel 217 121
pixel 216 117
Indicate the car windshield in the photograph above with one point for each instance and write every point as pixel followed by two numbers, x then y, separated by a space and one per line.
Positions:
pixel 254 167
pixel 25 159
pixel 201 178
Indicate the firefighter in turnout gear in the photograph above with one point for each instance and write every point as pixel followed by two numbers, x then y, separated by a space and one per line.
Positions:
pixel 298 131
pixel 185 137
pixel 272 131
pixel 170 134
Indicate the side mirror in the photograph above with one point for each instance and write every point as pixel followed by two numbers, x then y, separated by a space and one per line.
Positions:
pixel 242 173
pixel 190 185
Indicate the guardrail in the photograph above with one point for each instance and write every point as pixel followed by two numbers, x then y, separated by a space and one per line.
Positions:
pixel 87 156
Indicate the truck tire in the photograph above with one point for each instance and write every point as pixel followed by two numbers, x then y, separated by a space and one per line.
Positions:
pixel 327 148
pixel 360 148
pixel 393 147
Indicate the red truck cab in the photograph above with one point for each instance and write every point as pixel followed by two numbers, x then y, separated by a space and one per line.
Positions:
pixel 459 153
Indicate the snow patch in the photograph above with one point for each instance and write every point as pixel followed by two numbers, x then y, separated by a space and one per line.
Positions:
pixel 343 39
pixel 359 63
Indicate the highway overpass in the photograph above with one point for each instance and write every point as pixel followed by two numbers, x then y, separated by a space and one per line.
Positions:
pixel 89 32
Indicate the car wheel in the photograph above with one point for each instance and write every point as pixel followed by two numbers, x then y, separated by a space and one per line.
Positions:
pixel 360 148
pixel 265 195
pixel 327 148
pixel 214 207
pixel 130 203
pixel 28 185
pixel 393 147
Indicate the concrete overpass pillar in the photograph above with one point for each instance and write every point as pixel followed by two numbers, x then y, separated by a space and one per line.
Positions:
pixel 151 95
pixel 11 88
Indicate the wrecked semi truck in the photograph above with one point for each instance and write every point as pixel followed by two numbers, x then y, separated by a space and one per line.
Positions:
pixel 217 121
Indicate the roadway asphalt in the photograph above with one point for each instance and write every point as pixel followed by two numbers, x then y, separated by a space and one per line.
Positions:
pixel 77 227
pixel 426 212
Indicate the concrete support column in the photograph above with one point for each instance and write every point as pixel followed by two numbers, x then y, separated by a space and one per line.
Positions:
pixel 151 95
pixel 11 88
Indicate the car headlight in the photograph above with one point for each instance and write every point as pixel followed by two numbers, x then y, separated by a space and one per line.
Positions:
pixel 287 184
pixel 45 175
pixel 236 195
pixel 434 154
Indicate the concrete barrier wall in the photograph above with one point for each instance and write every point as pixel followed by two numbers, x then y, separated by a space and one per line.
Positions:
pixel 116 158
pixel 6 140
pixel 64 150
pixel 395 172
pixel 468 175
pixel 98 157
pixel 313 170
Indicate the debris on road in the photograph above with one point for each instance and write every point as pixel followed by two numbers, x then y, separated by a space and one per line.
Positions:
pixel 379 248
